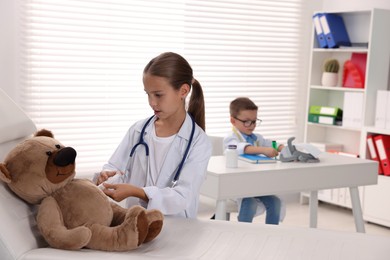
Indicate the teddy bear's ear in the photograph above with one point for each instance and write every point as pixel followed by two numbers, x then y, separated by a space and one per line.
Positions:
pixel 44 132
pixel 5 176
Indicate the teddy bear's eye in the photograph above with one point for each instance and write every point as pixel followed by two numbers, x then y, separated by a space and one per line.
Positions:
pixel 49 153
pixel 58 146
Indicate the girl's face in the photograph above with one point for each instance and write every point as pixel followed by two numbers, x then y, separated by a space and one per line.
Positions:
pixel 163 98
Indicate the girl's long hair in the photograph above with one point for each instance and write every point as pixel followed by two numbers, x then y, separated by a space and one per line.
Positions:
pixel 178 71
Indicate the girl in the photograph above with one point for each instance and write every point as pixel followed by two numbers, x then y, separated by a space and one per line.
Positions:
pixel 150 180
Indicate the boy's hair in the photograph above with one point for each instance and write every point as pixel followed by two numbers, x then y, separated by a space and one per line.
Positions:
pixel 240 104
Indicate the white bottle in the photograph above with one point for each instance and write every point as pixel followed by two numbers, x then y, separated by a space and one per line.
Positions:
pixel 231 156
pixel 111 180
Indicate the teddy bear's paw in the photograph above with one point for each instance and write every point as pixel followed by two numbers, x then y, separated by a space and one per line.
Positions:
pixel 137 213
pixel 70 239
pixel 155 221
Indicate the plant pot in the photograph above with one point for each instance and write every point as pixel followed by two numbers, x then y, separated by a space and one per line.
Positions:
pixel 329 79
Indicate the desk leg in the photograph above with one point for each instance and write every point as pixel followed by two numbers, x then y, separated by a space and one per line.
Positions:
pixel 357 209
pixel 220 213
pixel 313 203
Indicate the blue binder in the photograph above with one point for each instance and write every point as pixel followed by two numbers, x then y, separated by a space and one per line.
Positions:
pixel 319 32
pixel 334 30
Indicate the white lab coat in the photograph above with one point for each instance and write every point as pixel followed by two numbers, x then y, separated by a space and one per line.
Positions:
pixel 181 200
pixel 236 138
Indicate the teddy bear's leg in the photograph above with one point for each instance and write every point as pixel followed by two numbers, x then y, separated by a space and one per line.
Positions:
pixel 119 214
pixel 127 236
pixel 155 222
pixel 51 225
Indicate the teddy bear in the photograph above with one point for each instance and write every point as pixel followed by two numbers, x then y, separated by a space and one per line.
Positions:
pixel 73 213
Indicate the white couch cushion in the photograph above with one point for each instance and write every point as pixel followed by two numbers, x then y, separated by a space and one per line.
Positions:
pixel 14 123
pixel 8 146
pixel 18 231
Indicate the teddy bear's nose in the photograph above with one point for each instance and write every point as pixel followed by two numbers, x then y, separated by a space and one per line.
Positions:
pixel 65 156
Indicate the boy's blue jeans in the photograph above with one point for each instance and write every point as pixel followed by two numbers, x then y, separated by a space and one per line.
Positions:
pixel 272 205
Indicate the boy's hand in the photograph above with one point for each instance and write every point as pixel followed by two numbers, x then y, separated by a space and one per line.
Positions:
pixel 270 152
pixel 280 148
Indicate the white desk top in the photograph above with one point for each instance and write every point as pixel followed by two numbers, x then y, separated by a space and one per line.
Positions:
pixel 333 171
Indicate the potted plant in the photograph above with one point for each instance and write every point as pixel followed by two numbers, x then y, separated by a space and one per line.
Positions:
pixel 330 74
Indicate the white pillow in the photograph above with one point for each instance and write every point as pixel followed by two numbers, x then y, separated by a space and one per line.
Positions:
pixel 14 123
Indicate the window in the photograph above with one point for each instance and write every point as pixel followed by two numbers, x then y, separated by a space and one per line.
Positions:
pixel 81 64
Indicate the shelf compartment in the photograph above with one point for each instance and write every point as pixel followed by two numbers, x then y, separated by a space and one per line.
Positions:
pixel 334 134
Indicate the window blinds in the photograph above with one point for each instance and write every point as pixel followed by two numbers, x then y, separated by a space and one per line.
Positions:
pixel 81 63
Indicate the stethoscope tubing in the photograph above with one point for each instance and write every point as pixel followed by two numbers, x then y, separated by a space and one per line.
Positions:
pixel 141 139
pixel 142 142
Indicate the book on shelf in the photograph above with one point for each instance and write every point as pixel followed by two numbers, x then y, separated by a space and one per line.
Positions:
pixel 256 158
pixel 319 32
pixel 382 143
pixel 353 109
pixel 373 151
pixel 326 120
pixel 381 107
pixel 326 111
pixel 334 29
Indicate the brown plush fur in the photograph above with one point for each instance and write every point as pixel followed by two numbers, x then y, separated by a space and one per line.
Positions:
pixel 73 213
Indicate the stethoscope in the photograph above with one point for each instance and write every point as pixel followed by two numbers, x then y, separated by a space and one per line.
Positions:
pixel 240 137
pixel 143 143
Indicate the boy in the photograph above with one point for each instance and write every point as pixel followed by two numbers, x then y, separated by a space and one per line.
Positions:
pixel 243 116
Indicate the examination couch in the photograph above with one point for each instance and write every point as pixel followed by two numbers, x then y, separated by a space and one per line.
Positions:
pixel 193 239
pixel 180 238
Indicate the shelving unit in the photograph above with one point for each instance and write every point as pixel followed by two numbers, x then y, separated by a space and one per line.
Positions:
pixel 364 26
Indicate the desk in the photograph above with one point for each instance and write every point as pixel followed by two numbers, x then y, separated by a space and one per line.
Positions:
pixel 249 180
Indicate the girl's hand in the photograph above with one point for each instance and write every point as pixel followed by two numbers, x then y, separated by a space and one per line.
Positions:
pixel 118 192
pixel 104 175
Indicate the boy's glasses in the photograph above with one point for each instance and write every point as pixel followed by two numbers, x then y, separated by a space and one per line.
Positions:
pixel 248 123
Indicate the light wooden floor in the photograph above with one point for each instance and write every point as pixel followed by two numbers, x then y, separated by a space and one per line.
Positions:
pixel 330 217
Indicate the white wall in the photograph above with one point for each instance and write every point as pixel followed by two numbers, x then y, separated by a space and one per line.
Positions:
pixel 337 5
pixel 7 47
